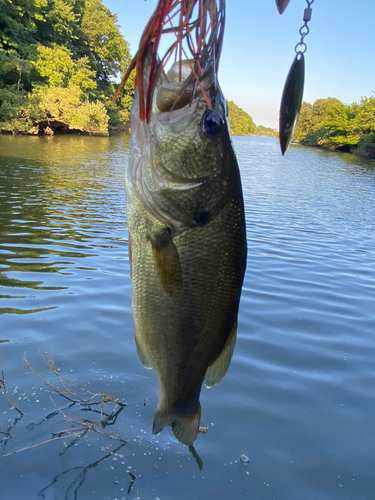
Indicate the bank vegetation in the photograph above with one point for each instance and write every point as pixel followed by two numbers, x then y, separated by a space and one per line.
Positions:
pixel 59 60
pixel 241 122
pixel 331 124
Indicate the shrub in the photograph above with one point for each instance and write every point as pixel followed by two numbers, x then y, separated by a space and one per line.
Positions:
pixel 366 146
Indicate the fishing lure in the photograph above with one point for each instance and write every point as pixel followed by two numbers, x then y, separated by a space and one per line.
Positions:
pixel 282 5
pixel 198 26
pixel 291 100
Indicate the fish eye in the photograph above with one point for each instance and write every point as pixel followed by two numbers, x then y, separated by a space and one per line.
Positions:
pixel 212 123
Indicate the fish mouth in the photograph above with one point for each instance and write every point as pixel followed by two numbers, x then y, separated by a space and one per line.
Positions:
pixel 181 86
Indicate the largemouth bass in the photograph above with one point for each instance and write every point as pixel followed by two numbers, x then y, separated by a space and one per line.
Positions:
pixel 187 240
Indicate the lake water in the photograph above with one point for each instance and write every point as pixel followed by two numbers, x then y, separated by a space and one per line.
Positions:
pixel 299 397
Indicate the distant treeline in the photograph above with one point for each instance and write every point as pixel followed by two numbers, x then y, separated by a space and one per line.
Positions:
pixel 58 63
pixel 241 122
pixel 331 124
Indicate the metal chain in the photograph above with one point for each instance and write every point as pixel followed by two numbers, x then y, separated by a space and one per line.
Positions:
pixel 301 47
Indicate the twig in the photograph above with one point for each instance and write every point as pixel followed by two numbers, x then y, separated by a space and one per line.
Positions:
pixel 69 394
pixel 24 359
pixel 89 425
pixel 6 393
pixel 54 438
pixel 80 426
pixel 80 478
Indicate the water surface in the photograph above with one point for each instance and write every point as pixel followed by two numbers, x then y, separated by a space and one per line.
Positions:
pixel 298 399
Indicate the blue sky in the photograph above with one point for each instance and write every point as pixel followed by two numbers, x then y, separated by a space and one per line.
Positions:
pixel 259 49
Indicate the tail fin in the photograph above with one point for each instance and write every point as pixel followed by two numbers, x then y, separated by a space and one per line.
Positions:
pixel 184 427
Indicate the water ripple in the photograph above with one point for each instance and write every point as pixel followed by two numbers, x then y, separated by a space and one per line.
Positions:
pixel 298 398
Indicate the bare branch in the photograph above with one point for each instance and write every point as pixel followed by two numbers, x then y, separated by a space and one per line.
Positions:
pixel 75 395
pixel 6 393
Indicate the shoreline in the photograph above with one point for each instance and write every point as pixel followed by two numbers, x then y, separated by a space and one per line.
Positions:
pixel 126 130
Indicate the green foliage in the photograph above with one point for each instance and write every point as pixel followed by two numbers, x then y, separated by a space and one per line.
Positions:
pixel 126 99
pixel 304 125
pixel 58 63
pixel 63 108
pixel 240 122
pixel 365 115
pixel 57 68
pixel 261 130
pixel 103 43
pixel 57 23
pixel 17 22
pixel 366 146
pixel 54 64
pixel 14 69
pixel 15 112
pixel 51 108
pixel 332 124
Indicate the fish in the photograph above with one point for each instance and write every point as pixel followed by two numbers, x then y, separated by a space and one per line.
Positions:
pixel 185 213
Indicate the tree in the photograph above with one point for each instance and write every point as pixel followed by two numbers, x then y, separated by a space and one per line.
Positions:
pixel 240 122
pixel 366 145
pixel 304 125
pixel 261 130
pixel 328 123
pixel 17 23
pixel 64 108
pixel 58 22
pixel 55 50
pixel 56 68
pixel 103 43
pixel 14 70
pixel 365 116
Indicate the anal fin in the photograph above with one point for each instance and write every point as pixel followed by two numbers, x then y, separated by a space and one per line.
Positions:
pixel 216 371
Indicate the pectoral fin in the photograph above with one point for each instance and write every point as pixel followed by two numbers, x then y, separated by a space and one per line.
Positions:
pixel 219 367
pixel 167 261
